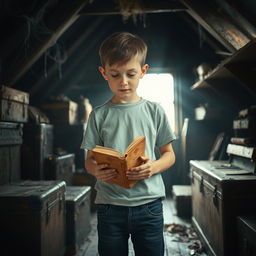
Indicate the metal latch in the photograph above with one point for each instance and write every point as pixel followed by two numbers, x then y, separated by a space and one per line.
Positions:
pixel 215 196
pixel 202 184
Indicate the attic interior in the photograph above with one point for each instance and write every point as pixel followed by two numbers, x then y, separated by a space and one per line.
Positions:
pixel 49 49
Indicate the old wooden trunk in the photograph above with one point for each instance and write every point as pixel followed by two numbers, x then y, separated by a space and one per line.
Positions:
pixel 10 143
pixel 60 168
pixel 32 218
pixel 37 147
pixel 13 105
pixel 217 199
pixel 78 216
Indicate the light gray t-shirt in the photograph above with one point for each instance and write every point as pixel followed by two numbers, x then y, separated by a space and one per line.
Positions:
pixel 116 126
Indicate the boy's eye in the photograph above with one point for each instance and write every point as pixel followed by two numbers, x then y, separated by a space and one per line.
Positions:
pixel 131 75
pixel 114 75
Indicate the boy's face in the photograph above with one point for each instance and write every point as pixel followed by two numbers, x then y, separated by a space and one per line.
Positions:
pixel 123 79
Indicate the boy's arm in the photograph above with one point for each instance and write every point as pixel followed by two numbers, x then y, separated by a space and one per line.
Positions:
pixel 100 171
pixel 149 168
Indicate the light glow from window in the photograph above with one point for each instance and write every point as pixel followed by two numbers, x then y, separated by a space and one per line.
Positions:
pixel 158 87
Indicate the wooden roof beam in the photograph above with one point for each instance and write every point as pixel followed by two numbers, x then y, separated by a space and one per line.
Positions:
pixel 219 22
pixel 111 8
pixel 64 15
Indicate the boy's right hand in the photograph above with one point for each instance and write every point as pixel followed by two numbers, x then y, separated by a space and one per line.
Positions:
pixel 100 171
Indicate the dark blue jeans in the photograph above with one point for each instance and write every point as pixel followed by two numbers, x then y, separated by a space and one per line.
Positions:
pixel 144 223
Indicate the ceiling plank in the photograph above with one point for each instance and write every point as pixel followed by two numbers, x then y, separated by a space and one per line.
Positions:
pixel 63 16
pixel 218 22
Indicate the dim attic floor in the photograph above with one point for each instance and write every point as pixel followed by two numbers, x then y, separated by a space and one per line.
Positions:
pixel 180 238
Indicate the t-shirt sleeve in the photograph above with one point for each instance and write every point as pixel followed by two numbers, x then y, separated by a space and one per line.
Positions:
pixel 91 136
pixel 164 132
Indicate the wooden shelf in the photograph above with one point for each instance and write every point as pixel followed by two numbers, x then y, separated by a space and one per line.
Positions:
pixel 241 67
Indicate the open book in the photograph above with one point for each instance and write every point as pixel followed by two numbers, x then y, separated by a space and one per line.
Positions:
pixel 121 162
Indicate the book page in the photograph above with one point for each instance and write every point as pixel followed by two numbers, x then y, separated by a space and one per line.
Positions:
pixel 137 141
pixel 134 151
pixel 108 151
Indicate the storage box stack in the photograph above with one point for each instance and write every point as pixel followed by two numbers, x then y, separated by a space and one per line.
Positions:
pixel 13 113
pixel 33 182
pixel 78 217
pixel 242 149
pixel 73 135
pixel 32 218
pixel 39 159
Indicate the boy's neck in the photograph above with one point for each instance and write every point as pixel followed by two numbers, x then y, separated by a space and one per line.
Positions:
pixel 115 100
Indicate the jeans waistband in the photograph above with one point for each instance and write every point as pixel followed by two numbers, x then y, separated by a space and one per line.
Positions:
pixel 138 206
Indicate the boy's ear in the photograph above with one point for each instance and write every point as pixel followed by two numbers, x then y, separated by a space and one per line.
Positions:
pixel 103 72
pixel 144 70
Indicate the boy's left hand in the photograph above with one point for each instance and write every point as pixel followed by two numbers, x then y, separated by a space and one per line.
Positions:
pixel 144 171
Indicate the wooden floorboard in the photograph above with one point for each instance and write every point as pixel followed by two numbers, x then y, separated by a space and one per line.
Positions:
pixel 175 244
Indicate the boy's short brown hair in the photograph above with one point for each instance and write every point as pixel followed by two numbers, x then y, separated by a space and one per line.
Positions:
pixel 121 47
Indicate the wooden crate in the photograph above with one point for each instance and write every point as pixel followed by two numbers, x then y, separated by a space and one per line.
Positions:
pixel 13 105
pixel 62 112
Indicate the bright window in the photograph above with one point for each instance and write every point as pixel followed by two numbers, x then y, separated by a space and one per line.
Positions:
pixel 159 87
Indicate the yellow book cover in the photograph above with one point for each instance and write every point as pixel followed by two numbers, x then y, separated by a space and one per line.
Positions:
pixel 121 162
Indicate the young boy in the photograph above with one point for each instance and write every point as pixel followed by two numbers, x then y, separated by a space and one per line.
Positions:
pixel 137 211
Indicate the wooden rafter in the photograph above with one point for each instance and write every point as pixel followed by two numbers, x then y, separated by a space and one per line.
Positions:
pixel 218 21
pixel 64 15
pixel 110 8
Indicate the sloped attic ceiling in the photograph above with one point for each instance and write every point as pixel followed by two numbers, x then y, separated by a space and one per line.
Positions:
pixel 51 47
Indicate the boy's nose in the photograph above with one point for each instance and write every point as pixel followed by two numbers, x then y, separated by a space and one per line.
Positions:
pixel 124 81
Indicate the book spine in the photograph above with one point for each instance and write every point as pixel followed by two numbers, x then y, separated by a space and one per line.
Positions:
pixel 123 173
